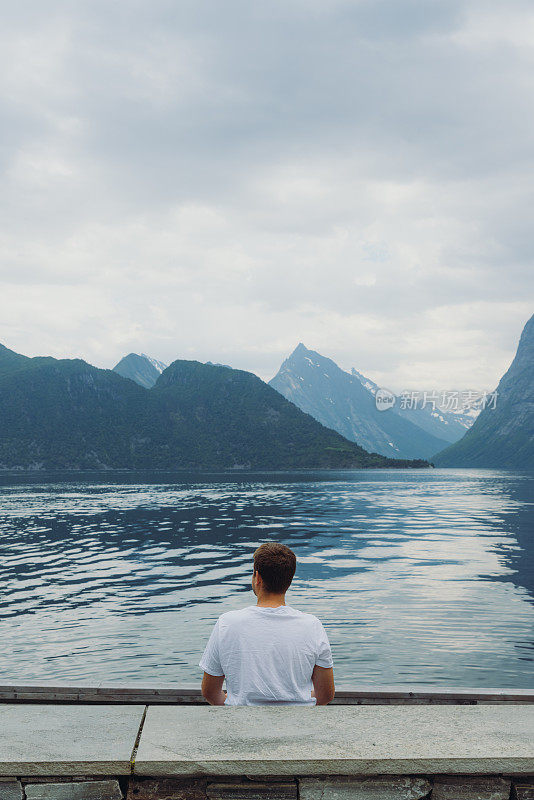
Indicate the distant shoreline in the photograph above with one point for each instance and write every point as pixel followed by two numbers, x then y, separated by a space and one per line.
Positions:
pixel 207 471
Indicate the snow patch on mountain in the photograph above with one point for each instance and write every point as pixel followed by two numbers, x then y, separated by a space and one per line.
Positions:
pixel 159 365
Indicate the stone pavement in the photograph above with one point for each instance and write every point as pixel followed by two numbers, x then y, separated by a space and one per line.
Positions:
pixel 67 739
pixel 115 752
pixel 338 740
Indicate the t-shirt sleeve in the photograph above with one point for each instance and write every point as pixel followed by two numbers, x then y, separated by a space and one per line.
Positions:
pixel 324 653
pixel 211 659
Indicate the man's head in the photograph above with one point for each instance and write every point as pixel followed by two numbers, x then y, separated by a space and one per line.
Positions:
pixel 275 564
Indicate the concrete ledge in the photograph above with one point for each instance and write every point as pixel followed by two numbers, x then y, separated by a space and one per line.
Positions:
pixel 136 693
pixel 67 740
pixel 262 742
pixel 340 740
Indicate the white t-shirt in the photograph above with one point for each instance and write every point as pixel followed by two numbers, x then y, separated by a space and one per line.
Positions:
pixel 267 655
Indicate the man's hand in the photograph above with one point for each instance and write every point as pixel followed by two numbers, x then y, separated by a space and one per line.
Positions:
pixel 323 685
pixel 212 689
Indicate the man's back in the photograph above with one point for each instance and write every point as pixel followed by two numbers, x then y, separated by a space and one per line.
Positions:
pixel 267 655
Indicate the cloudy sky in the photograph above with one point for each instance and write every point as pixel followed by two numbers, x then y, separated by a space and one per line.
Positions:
pixel 222 180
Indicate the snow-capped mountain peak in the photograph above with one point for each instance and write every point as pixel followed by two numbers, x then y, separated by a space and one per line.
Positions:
pixel 141 369
pixel 159 365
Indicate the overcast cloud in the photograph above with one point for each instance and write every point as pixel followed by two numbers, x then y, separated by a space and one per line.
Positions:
pixel 221 180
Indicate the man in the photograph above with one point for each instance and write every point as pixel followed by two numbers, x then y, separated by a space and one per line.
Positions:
pixel 269 653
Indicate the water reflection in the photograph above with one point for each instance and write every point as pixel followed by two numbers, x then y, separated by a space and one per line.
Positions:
pixel 420 577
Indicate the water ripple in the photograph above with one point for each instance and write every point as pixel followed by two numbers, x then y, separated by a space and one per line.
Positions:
pixel 420 577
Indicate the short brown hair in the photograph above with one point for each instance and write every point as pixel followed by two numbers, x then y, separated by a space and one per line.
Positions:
pixel 276 564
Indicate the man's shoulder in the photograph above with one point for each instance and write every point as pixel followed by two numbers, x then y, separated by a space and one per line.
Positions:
pixel 306 617
pixel 236 615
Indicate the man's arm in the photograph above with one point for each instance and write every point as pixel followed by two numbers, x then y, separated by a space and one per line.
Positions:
pixel 323 684
pixel 212 689
pixel 210 664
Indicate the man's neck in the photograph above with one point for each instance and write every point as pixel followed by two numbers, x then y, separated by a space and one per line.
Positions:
pixel 271 600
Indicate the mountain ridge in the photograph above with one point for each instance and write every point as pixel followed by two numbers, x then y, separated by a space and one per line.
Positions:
pixel 317 385
pixel 142 369
pixel 502 436
pixel 68 414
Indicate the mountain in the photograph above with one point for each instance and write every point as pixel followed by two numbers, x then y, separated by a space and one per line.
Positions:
pixel 142 369
pixel 11 362
pixel 440 418
pixel 216 364
pixel 67 414
pixel 244 421
pixel 341 402
pixel 502 436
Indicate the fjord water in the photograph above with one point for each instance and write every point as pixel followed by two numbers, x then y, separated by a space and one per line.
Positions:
pixel 420 576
